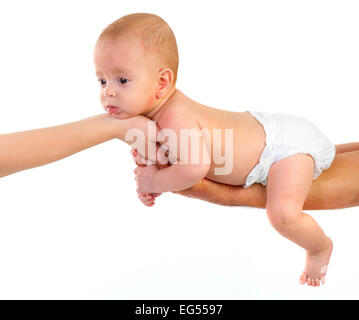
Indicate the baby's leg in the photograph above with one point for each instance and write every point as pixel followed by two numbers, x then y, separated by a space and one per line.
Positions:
pixel 288 184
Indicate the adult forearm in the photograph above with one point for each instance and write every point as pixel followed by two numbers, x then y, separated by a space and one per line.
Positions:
pixel 29 149
pixel 335 188
pixel 227 195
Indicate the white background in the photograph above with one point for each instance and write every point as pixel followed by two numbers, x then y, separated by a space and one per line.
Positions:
pixel 74 229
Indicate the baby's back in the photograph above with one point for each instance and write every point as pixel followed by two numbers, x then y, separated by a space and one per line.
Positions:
pixel 235 139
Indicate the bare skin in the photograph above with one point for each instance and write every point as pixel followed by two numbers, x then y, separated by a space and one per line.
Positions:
pixel 286 192
pixel 135 80
pixel 287 189
pixel 130 86
pixel 337 187
pixel 33 148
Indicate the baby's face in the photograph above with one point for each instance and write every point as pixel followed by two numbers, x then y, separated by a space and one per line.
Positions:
pixel 127 78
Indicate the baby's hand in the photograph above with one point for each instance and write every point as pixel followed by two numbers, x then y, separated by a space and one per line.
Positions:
pixel 144 176
pixel 148 199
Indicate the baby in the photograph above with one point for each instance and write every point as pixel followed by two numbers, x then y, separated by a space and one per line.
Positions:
pixel 136 62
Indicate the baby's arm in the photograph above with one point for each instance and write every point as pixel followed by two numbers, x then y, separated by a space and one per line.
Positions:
pixel 178 177
pixel 184 172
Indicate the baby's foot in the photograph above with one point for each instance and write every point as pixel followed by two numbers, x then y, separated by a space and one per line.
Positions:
pixel 316 266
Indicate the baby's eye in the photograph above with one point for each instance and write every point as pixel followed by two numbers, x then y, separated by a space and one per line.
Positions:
pixel 123 80
pixel 102 82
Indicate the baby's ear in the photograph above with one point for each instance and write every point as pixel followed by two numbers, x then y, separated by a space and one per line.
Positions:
pixel 165 79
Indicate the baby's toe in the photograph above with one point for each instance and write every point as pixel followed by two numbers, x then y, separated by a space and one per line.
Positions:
pixel 322 280
pixel 303 278
pixel 317 282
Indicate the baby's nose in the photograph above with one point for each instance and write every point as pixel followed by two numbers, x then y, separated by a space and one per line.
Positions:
pixel 110 90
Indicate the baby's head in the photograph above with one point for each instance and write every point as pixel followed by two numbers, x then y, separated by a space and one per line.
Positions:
pixel 136 61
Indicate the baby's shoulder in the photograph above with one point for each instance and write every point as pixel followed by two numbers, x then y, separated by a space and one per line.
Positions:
pixel 177 115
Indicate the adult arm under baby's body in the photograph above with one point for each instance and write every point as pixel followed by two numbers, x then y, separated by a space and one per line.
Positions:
pixel 336 188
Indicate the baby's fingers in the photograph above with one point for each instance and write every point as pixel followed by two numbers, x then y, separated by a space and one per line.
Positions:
pixel 146 200
pixel 146 196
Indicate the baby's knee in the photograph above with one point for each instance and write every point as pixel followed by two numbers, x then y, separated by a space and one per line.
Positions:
pixel 283 215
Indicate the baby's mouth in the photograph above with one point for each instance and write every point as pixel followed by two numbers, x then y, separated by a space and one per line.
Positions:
pixel 112 109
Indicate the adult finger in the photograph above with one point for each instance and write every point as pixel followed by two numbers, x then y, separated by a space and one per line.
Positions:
pixel 136 158
pixel 133 151
pixel 159 158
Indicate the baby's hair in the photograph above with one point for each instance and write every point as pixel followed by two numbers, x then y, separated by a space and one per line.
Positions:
pixel 154 33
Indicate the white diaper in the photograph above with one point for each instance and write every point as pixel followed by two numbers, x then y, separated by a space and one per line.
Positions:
pixel 287 135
